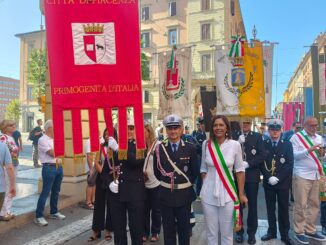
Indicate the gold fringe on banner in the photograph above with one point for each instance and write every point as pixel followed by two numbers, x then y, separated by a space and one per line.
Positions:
pixel 140 154
pixel 122 155
pixel 78 158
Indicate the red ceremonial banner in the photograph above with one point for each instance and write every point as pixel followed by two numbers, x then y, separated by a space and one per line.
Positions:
pixel 94 63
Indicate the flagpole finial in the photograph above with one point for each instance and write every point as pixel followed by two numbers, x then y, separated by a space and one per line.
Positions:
pixel 254 32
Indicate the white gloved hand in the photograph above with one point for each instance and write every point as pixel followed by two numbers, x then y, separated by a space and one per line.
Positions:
pixel 113 144
pixel 273 180
pixel 246 164
pixel 102 140
pixel 241 139
pixel 114 186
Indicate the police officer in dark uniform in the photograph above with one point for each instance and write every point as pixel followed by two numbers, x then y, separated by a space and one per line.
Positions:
pixel 131 195
pixel 175 165
pixel 277 171
pixel 200 137
pixel 253 154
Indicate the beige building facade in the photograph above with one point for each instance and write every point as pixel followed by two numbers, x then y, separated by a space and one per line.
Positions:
pixel 303 75
pixel 199 24
pixel 30 107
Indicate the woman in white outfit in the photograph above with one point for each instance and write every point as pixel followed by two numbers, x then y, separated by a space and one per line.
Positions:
pixel 7 128
pixel 218 205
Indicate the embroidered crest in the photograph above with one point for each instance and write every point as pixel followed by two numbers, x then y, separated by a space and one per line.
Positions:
pixel 282 160
pixel 94 43
pixel 185 168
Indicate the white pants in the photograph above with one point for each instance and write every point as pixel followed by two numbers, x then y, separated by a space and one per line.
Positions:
pixel 219 219
pixel 7 203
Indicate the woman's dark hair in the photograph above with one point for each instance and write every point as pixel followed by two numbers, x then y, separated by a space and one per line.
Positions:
pixel 227 123
pixel 115 134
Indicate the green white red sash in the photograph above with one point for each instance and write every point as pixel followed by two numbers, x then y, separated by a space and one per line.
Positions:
pixel 304 139
pixel 227 181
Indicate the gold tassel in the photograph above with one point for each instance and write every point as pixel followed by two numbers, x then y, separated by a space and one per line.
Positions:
pixel 122 155
pixel 78 158
pixel 140 154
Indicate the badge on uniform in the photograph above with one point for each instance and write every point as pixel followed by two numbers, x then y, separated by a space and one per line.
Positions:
pixel 185 168
pixel 253 151
pixel 282 160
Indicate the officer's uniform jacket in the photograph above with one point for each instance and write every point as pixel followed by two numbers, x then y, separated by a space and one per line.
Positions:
pixel 283 156
pixel 254 151
pixel 131 177
pixel 200 138
pixel 185 159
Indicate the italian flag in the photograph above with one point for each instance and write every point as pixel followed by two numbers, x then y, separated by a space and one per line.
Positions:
pixel 173 59
pixel 227 181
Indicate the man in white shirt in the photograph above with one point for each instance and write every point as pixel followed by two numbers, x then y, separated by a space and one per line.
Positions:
pixel 307 148
pixel 52 175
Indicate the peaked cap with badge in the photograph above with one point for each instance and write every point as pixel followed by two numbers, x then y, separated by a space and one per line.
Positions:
pixel 172 120
pixel 275 124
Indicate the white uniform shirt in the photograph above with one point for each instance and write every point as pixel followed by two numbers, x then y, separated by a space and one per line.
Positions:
pixel 45 143
pixel 304 165
pixel 213 191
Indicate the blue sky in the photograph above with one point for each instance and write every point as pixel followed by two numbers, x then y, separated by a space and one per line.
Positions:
pixel 292 23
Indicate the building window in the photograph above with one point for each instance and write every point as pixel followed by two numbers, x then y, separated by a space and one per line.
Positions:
pixel 206 31
pixel 173 36
pixel 172 8
pixel 148 117
pixel 145 13
pixel 146 96
pixel 205 4
pixel 232 9
pixel 322 59
pixel 206 63
pixel 30 93
pixel 30 47
pixel 145 38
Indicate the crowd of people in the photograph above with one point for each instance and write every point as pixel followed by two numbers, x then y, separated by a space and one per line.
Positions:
pixel 223 171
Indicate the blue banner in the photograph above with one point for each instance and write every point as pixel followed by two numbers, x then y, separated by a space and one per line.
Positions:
pixel 308 102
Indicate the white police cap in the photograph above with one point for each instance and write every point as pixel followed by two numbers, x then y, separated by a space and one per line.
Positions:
pixel 275 124
pixel 172 120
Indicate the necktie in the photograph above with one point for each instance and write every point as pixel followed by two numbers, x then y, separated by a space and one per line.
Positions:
pixel 174 146
pixel 274 144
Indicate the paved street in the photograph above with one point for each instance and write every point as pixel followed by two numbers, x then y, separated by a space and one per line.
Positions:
pixel 77 227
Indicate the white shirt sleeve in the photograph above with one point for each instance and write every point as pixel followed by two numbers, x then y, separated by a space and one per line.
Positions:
pixel 297 152
pixel 238 165
pixel 43 145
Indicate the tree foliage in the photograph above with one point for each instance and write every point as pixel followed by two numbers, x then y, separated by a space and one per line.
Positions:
pixel 36 73
pixel 145 72
pixel 13 110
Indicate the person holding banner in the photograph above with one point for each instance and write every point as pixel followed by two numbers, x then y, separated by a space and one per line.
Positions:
pixel 130 196
pixel 277 171
pixel 307 171
pixel 175 165
pixel 102 218
pixel 220 202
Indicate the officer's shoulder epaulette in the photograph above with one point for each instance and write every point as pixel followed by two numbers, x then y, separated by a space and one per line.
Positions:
pixel 266 141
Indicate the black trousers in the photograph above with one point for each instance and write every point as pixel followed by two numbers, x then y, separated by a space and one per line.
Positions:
pixel 282 197
pixel 119 210
pixel 176 218
pixel 102 216
pixel 251 190
pixel 152 213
